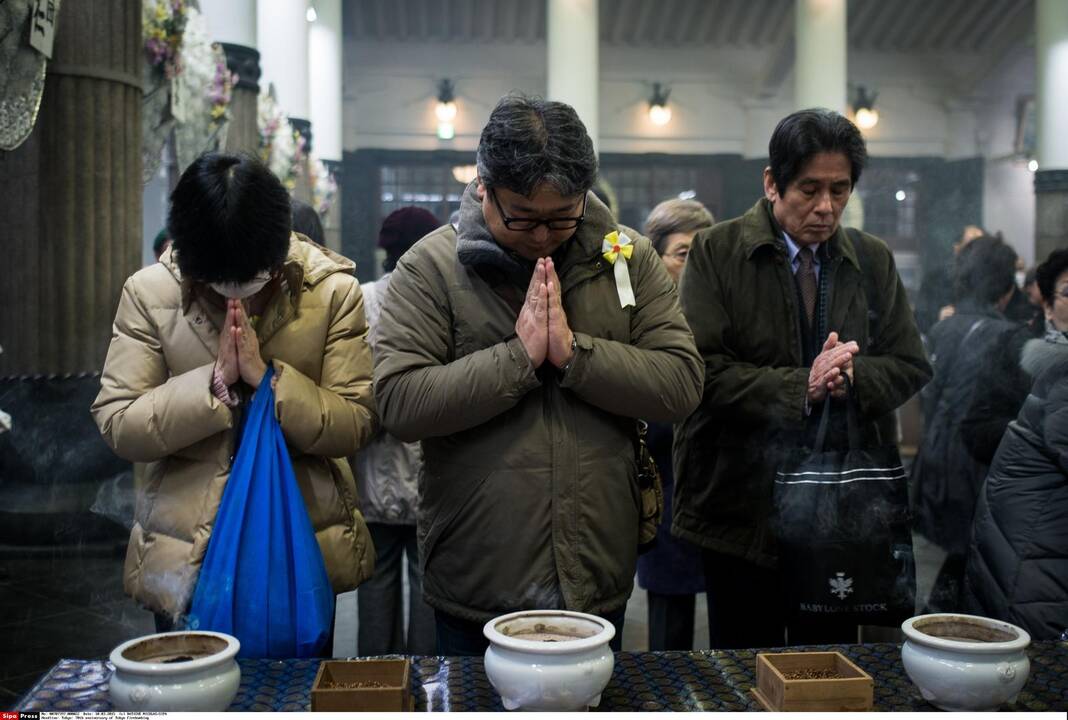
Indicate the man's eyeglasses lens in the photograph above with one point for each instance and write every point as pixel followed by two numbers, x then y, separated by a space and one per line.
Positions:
pixel 569 223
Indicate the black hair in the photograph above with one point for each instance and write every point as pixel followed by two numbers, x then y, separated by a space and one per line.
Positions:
pixel 1047 273
pixel 229 219
pixel 530 141
pixel 306 221
pixel 986 270
pixel 800 136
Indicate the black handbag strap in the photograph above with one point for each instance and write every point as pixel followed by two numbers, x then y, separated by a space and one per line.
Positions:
pixel 852 413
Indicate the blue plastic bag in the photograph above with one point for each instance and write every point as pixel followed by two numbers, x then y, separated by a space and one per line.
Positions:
pixel 263 579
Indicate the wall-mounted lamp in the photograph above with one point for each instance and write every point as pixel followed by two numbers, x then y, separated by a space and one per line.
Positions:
pixel 310 15
pixel 864 111
pixel 659 112
pixel 446 107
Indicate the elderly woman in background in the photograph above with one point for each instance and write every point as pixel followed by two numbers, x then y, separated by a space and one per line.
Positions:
pixel 192 339
pixel 671 572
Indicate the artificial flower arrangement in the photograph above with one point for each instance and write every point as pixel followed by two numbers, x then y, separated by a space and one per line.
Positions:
pixel 281 147
pixel 221 90
pixel 163 27
pixel 323 185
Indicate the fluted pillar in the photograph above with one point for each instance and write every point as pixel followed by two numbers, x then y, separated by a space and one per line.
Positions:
pixel 72 196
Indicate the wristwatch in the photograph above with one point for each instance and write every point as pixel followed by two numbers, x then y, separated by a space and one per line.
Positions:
pixel 574 353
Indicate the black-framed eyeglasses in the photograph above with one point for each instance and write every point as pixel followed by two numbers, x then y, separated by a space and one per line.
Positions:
pixel 524 224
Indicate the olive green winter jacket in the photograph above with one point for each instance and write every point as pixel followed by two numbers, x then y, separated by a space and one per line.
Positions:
pixel 740 298
pixel 529 496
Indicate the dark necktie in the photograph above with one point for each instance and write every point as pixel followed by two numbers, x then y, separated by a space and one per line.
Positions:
pixel 806 281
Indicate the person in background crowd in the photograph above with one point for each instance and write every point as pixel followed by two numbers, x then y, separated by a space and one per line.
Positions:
pixel 387 475
pixel 505 347
pixel 1016 359
pixel 161 244
pixel 936 290
pixel 1051 277
pixel 306 222
pixel 1020 307
pixel 1031 289
pixel 1019 548
pixel 750 291
pixel 946 476
pixel 671 572
pixel 192 338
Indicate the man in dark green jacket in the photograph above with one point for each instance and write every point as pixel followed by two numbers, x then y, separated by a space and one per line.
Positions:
pixel 520 348
pixel 783 305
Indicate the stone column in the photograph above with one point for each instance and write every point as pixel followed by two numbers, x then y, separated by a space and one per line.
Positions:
pixel 232 23
pixel 820 66
pixel 573 71
pixel 1051 179
pixel 71 211
pixel 282 30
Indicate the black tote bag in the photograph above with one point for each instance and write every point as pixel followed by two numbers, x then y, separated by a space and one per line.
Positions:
pixel 842 522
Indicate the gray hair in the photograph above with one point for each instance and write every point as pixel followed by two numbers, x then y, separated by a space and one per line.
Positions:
pixel 676 216
pixel 530 141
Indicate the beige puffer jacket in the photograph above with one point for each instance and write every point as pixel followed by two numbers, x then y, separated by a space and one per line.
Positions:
pixel 155 406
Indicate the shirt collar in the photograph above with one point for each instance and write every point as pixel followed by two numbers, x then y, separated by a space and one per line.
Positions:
pixel 793 249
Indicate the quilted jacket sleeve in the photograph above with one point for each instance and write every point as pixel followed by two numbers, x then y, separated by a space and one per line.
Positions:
pixel 335 417
pixel 142 411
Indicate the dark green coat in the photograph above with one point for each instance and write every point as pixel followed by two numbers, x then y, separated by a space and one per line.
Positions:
pixel 740 299
pixel 529 494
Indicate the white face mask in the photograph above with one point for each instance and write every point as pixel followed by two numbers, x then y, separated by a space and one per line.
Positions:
pixel 240 291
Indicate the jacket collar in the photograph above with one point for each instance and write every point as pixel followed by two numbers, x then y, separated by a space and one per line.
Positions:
pixel 760 229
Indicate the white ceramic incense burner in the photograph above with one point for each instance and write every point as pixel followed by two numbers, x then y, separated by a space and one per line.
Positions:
pixel 549 659
pixel 178 671
pixel 965 662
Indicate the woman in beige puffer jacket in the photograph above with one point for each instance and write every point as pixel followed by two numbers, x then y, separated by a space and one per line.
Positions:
pixel 163 400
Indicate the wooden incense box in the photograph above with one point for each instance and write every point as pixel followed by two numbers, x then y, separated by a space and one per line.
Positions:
pixel 811 682
pixel 355 685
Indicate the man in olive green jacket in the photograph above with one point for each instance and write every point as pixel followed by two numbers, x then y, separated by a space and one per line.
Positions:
pixel 784 305
pixel 506 348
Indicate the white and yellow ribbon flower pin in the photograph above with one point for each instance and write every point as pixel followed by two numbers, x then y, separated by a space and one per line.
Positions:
pixel 617 249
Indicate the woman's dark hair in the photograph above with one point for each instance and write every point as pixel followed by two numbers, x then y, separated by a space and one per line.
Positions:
pixel 1048 271
pixel 229 219
pixel 800 136
pixel 403 228
pixel 306 222
pixel 986 270
pixel 530 141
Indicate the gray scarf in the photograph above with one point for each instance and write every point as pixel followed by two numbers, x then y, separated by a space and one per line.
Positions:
pixel 475 244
